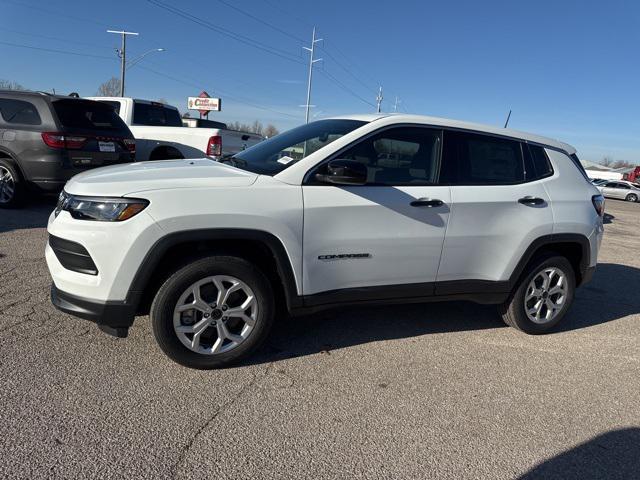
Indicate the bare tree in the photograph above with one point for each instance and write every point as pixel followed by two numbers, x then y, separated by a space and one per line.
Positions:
pixel 163 101
pixel 270 131
pixel 110 88
pixel 256 127
pixel 186 115
pixel 622 164
pixel 606 161
pixel 9 85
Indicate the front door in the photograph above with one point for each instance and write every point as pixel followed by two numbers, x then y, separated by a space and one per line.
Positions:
pixel 387 233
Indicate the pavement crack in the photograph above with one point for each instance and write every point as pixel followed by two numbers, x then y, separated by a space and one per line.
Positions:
pixel 224 407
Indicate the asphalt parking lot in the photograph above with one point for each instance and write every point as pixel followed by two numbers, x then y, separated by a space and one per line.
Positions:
pixel 416 391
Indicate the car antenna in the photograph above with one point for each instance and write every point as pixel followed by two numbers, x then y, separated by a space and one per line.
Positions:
pixel 508 117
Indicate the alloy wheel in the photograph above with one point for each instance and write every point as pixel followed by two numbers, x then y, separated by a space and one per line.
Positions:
pixel 545 295
pixel 215 315
pixel 7 185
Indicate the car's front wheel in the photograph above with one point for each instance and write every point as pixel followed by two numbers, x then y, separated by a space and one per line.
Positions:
pixel 543 296
pixel 213 312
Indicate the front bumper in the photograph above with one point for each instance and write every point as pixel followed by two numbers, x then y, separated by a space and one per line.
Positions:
pixel 112 317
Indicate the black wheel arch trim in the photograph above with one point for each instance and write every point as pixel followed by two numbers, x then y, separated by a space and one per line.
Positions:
pixel 14 160
pixel 273 243
pixel 481 291
pixel 549 241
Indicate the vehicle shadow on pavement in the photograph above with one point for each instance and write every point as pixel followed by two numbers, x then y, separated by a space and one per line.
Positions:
pixel 32 215
pixel 615 454
pixel 611 295
pixel 348 326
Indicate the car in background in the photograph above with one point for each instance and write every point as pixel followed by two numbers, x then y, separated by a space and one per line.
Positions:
pixel 621 189
pixel 47 139
pixel 161 135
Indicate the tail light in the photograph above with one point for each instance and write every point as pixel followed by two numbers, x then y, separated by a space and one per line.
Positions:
pixel 598 204
pixel 214 146
pixel 130 145
pixel 60 140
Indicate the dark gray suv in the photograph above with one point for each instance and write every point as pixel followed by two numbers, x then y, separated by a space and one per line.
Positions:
pixel 46 139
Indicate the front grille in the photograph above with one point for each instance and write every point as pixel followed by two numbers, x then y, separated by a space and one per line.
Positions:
pixel 72 256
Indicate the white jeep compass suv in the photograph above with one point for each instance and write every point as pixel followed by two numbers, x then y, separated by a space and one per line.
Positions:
pixel 365 208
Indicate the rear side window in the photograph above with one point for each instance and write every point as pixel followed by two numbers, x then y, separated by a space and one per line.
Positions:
pixel 85 114
pixel 156 115
pixel 475 159
pixel 19 112
pixel 536 162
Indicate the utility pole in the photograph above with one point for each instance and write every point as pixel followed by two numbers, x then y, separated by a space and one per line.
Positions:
pixel 122 53
pixel 311 51
pixel 379 98
pixel 395 105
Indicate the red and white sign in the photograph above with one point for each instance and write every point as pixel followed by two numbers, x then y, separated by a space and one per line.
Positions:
pixel 204 103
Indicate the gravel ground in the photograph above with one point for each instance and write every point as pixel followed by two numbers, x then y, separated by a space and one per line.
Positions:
pixel 416 391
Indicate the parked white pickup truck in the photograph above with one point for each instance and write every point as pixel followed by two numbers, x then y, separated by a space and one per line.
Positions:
pixel 160 133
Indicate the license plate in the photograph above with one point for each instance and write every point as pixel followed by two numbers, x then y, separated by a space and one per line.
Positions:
pixel 107 146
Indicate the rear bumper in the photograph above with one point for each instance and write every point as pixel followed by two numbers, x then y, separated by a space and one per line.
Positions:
pixel 112 317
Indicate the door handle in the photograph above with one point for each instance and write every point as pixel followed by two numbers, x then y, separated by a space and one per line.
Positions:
pixel 427 202
pixel 529 200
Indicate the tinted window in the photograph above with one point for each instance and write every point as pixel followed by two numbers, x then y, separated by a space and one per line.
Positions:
pixel 281 151
pixel 155 114
pixel 19 111
pixel 541 164
pixel 474 159
pixel 85 114
pixel 399 156
pixel 611 185
pixel 113 104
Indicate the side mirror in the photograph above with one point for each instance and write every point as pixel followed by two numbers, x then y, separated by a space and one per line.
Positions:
pixel 344 172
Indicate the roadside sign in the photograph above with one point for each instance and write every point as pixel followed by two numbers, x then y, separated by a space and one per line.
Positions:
pixel 204 104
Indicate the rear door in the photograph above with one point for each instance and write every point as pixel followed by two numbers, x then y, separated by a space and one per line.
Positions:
pixel 94 133
pixel 499 206
pixel 383 233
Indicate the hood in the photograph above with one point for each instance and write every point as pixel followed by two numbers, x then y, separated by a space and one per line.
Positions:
pixel 125 179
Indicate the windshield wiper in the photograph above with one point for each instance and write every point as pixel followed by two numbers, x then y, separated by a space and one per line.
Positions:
pixel 230 159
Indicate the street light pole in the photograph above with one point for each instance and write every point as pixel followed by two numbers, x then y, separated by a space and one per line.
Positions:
pixel 133 62
pixel 122 53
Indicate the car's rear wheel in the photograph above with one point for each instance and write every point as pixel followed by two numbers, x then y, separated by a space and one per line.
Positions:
pixel 213 312
pixel 11 185
pixel 543 296
pixel 632 197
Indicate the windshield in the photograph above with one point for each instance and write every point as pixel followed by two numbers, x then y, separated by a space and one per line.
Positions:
pixel 272 156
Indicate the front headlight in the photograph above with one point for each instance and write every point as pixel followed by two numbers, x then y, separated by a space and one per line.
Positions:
pixel 100 209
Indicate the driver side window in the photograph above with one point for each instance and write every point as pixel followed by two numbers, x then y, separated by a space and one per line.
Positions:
pixel 399 156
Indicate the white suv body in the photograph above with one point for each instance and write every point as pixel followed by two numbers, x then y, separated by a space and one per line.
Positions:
pixel 395 208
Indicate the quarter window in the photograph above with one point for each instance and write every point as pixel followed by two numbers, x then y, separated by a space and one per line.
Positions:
pixel 19 111
pixel 474 159
pixel 399 156
pixel 541 164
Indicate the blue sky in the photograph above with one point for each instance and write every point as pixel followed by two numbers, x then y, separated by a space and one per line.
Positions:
pixel 568 69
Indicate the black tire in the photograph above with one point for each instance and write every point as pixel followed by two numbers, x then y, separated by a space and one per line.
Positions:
pixel 513 310
pixel 17 198
pixel 168 295
pixel 632 197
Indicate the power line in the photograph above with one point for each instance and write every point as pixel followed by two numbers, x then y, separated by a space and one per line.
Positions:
pixel 223 31
pixel 56 13
pixel 258 19
pixel 345 88
pixel 287 12
pixel 232 97
pixel 58 39
pixel 52 50
pixel 350 72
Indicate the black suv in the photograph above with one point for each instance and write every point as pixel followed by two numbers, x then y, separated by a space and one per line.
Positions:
pixel 46 139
